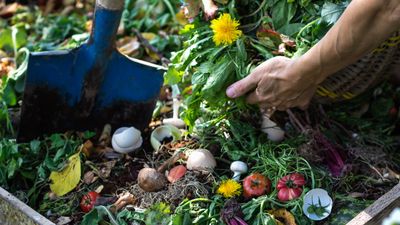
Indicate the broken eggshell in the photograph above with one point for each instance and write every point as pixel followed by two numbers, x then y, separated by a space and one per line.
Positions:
pixel 163 132
pixel 320 198
pixel 126 139
pixel 201 160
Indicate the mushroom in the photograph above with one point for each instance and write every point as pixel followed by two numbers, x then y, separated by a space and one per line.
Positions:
pixel 201 160
pixel 126 139
pixel 317 204
pixel 161 133
pixel 238 167
pixel 275 133
pixel 151 180
pixel 175 121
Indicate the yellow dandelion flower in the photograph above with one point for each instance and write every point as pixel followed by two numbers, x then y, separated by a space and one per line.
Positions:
pixel 229 188
pixel 225 30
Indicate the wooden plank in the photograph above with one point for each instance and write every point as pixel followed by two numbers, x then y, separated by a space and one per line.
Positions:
pixel 13 212
pixel 379 210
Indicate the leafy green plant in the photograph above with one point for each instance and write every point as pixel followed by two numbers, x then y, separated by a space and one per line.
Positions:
pixel 199 211
pixel 269 28
pixel 32 162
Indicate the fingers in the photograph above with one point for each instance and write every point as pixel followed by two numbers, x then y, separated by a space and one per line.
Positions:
pixel 254 98
pixel 243 86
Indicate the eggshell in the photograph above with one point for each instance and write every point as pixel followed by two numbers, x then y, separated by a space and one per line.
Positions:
pixel 201 159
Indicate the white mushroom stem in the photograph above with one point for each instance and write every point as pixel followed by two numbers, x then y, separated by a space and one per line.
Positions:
pixel 236 176
pixel 238 168
pixel 175 121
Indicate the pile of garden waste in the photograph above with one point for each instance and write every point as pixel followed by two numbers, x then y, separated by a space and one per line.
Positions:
pixel 219 161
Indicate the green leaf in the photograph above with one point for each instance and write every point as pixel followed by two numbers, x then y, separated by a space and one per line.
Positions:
pixel 11 168
pixel 6 39
pixel 9 95
pixel 172 76
pixel 35 146
pixel 129 216
pixel 56 141
pixel 92 218
pixel 218 80
pixel 262 50
pixel 241 49
pixel 290 29
pixel 331 12
pixel 88 134
pixel 282 13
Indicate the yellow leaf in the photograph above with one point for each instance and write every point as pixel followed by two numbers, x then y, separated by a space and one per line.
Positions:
pixel 67 179
pixel 149 36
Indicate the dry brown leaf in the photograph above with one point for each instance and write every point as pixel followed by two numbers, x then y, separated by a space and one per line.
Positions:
pixel 105 168
pixel 87 148
pixel 89 177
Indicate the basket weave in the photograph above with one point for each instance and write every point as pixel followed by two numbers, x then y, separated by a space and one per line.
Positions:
pixel 365 73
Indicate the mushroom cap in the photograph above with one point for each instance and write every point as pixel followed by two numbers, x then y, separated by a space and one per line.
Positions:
pixel 201 159
pixel 239 166
pixel 126 139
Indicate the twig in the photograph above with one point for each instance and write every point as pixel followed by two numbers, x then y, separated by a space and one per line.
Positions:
pixel 295 120
pixel 171 161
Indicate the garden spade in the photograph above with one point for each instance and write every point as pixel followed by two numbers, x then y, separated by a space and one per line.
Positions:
pixel 89 86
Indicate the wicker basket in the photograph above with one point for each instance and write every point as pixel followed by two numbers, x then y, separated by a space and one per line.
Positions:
pixel 365 73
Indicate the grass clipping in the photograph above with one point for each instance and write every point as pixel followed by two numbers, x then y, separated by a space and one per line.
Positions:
pixel 190 186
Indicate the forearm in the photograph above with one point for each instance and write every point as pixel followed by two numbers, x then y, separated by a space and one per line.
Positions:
pixel 363 26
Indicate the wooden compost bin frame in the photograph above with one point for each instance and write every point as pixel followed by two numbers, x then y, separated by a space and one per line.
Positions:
pixel 379 210
pixel 13 211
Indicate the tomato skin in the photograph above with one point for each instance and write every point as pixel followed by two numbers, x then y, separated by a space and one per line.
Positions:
pixel 290 186
pixel 256 185
pixel 88 201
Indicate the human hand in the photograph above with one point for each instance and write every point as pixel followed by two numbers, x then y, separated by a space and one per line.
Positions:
pixel 279 83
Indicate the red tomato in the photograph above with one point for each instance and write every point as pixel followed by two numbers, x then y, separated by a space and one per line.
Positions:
pixel 88 201
pixel 256 185
pixel 290 186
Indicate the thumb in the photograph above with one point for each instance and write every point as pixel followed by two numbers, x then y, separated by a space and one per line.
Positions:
pixel 242 86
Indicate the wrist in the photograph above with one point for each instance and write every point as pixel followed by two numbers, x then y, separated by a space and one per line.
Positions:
pixel 309 68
